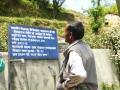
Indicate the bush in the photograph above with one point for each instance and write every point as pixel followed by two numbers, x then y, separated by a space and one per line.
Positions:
pixel 108 40
pixel 113 41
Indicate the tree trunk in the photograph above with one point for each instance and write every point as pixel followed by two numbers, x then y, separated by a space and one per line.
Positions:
pixel 118 6
pixel 98 2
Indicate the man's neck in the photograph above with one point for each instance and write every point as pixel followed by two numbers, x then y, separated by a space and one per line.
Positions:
pixel 72 41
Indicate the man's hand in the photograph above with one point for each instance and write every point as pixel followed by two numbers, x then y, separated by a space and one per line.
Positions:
pixel 72 80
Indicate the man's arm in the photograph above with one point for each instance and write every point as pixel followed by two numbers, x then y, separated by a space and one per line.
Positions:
pixel 77 71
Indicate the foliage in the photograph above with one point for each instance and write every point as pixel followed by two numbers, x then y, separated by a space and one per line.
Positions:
pixel 44 4
pixel 96 2
pixel 20 8
pixel 3 37
pixel 118 6
pixel 110 9
pixel 108 40
pixel 113 40
pixel 105 86
pixel 34 8
pixel 56 4
pixel 116 60
pixel 97 19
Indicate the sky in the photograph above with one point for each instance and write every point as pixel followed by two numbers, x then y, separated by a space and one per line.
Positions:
pixel 77 5
pixel 81 5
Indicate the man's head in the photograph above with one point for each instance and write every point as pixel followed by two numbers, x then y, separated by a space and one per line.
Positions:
pixel 74 31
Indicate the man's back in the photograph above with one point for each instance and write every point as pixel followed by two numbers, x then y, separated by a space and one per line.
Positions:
pixel 88 61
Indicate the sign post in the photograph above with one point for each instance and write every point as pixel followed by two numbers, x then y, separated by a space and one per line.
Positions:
pixel 32 43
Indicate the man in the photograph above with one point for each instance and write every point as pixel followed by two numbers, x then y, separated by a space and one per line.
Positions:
pixel 78 70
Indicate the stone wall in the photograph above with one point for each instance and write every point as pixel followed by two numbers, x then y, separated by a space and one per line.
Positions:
pixel 42 74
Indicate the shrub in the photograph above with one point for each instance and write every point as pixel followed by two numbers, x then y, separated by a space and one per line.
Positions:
pixel 113 41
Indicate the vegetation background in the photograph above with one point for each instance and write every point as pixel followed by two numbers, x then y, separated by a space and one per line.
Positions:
pixel 51 14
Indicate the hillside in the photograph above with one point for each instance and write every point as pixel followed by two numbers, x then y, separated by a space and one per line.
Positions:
pixel 25 12
pixel 34 8
pixel 58 25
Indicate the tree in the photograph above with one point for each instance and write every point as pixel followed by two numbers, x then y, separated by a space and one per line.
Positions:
pixel 118 5
pixel 96 2
pixel 96 14
pixel 42 3
pixel 97 19
pixel 56 4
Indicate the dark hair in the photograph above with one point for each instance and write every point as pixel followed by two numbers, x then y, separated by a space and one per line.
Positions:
pixel 77 30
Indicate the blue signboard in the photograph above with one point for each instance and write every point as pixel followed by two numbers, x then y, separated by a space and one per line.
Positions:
pixel 27 42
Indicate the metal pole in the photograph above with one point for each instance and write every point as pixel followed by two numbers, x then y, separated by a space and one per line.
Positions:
pixel 53 75
pixel 9 75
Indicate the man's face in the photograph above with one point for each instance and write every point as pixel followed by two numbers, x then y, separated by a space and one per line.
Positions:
pixel 67 35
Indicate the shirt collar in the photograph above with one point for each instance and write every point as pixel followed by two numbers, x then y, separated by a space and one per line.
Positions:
pixel 75 42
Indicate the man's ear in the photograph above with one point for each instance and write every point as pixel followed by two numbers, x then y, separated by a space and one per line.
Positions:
pixel 71 35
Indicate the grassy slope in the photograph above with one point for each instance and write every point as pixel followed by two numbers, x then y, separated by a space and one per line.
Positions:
pixel 31 16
